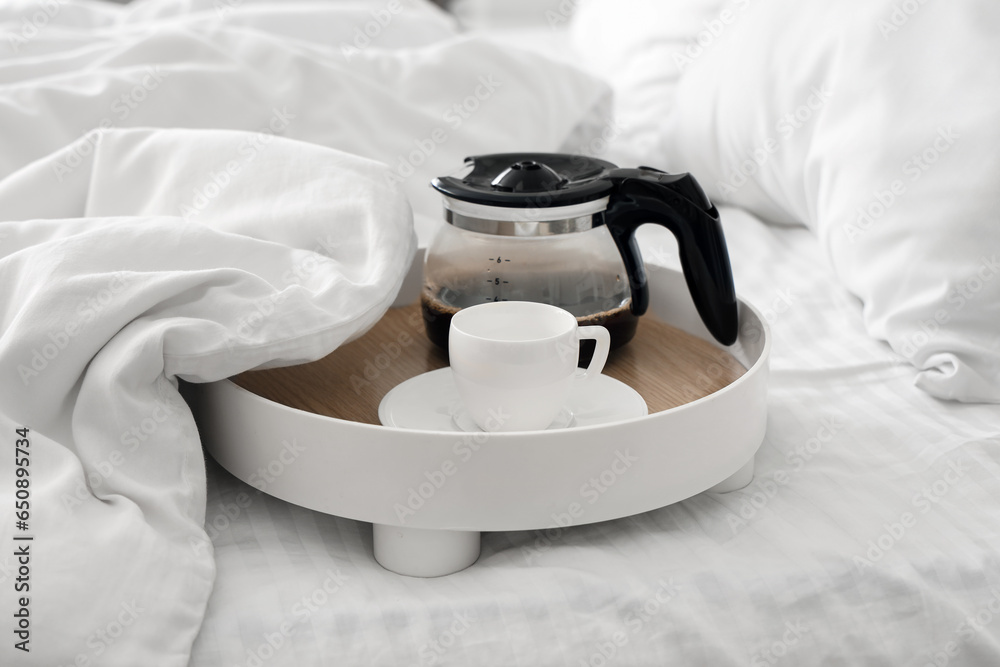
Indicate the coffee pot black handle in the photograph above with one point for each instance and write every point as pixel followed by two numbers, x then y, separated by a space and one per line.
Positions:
pixel 677 202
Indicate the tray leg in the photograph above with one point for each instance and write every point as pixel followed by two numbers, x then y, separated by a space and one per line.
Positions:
pixel 736 481
pixel 417 552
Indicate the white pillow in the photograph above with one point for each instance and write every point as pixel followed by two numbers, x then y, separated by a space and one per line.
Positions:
pixel 877 125
pixel 638 46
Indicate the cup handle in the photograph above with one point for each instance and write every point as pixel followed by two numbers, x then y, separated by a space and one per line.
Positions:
pixel 602 339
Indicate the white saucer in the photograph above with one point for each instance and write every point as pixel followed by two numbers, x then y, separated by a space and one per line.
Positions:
pixel 430 402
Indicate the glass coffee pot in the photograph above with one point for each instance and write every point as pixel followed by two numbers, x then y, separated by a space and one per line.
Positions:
pixel 560 229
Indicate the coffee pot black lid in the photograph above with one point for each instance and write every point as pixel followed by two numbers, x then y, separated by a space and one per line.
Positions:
pixel 529 180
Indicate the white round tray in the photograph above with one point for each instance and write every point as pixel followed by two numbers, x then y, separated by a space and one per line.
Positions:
pixel 430 493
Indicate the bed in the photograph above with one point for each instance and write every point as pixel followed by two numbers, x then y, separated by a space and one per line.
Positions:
pixel 870 534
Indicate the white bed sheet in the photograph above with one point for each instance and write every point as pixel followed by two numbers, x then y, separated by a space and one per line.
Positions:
pixel 870 535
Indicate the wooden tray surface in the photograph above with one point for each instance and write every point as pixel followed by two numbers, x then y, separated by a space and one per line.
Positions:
pixel 667 366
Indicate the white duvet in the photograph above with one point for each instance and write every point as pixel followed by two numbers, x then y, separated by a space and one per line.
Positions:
pixel 103 308
pixel 189 190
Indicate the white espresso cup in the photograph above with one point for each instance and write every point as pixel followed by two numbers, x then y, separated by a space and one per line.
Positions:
pixel 514 362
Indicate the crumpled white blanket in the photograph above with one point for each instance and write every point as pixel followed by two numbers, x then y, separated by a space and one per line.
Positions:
pixel 416 95
pixel 105 306
pixel 134 253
